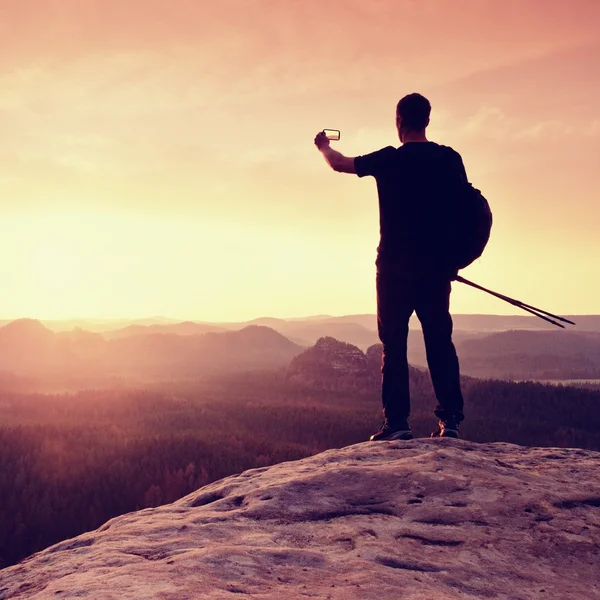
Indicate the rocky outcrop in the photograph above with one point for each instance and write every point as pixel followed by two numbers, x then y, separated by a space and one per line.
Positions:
pixel 373 356
pixel 337 366
pixel 330 364
pixel 426 519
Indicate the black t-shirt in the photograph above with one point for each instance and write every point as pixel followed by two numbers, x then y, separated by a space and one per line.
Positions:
pixel 415 183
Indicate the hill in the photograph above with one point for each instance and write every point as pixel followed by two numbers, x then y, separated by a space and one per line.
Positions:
pixel 533 354
pixel 26 343
pixel 522 354
pixel 301 331
pixel 443 519
pixel 163 356
pixel 462 322
pixel 29 351
pixel 183 328
pixel 331 363
pixel 34 357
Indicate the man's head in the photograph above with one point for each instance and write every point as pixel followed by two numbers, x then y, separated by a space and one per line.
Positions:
pixel 412 115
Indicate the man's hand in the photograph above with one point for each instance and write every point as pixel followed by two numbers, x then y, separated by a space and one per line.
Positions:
pixel 321 141
pixel 337 161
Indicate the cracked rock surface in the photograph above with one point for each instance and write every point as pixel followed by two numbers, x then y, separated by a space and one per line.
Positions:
pixel 424 519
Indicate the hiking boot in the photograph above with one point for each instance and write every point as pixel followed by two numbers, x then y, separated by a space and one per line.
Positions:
pixel 447 428
pixel 398 431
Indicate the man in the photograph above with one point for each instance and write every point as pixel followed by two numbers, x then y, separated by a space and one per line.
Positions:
pixel 415 183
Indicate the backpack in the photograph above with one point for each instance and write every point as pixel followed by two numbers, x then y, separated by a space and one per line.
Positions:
pixel 469 226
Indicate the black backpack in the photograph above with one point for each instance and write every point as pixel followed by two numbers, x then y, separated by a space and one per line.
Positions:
pixel 469 226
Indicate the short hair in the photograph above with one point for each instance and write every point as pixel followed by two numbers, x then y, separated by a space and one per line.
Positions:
pixel 414 110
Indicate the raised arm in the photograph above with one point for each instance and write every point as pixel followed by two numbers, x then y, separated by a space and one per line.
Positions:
pixel 336 160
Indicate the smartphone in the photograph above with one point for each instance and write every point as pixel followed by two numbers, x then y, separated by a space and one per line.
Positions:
pixel 332 134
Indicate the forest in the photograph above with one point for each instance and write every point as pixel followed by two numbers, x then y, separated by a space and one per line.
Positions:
pixel 70 462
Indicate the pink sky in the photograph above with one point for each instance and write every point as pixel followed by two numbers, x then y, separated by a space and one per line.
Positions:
pixel 156 157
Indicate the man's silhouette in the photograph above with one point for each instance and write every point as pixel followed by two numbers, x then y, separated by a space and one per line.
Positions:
pixel 415 183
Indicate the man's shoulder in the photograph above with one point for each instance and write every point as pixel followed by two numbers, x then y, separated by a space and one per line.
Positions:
pixel 448 150
pixel 386 151
pixel 452 161
pixel 376 162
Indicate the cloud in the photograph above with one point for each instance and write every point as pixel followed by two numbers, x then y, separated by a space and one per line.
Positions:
pixel 493 123
pixel 130 90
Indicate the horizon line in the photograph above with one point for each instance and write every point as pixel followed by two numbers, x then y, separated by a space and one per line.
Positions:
pixel 175 320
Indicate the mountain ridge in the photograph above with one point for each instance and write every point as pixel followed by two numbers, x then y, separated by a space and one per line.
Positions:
pixel 29 348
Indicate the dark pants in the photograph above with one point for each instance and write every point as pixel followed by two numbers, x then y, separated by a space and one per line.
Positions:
pixel 398 295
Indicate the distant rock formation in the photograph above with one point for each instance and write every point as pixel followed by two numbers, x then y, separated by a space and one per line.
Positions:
pixel 432 519
pixel 334 365
pixel 373 356
pixel 331 364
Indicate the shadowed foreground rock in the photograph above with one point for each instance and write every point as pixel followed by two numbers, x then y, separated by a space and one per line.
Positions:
pixel 425 519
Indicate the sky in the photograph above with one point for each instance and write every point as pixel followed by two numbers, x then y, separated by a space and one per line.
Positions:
pixel 157 157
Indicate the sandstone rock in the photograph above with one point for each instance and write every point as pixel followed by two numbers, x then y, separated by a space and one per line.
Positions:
pixel 373 356
pixel 330 363
pixel 420 520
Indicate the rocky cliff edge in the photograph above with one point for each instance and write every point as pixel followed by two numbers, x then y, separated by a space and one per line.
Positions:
pixel 426 519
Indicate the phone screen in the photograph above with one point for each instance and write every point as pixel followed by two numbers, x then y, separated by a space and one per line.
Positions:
pixel 332 134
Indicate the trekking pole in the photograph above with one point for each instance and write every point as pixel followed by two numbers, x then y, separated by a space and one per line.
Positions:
pixel 538 312
pixel 518 303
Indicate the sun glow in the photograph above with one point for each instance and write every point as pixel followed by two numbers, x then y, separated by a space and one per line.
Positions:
pixel 158 162
pixel 56 264
pixel 90 264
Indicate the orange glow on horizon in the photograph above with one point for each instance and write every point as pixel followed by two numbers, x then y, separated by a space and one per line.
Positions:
pixel 158 161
